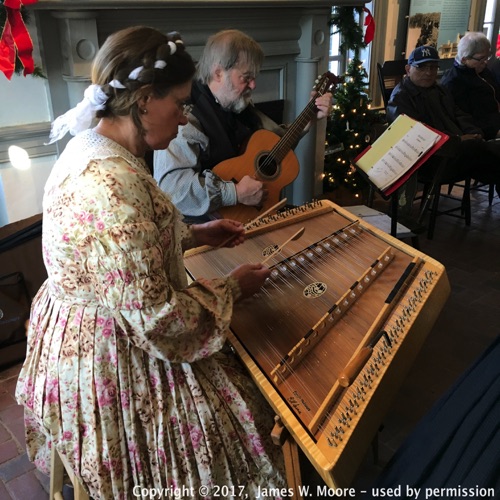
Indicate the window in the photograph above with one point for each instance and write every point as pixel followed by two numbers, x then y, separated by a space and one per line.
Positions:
pixel 490 26
pixel 337 62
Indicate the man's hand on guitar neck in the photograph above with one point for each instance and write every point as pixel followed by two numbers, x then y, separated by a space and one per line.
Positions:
pixel 323 105
pixel 250 191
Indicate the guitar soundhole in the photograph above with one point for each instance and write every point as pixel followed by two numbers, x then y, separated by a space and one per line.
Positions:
pixel 267 167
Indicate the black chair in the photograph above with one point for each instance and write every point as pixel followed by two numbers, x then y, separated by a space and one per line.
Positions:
pixel 482 187
pixel 485 188
pixel 389 75
pixel 433 196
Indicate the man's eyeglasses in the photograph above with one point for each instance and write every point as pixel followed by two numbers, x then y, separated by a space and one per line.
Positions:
pixel 481 59
pixel 426 67
pixel 246 78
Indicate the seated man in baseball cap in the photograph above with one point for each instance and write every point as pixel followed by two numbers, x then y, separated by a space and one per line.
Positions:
pixel 419 96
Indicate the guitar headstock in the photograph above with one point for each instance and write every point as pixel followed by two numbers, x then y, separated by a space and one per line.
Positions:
pixel 326 83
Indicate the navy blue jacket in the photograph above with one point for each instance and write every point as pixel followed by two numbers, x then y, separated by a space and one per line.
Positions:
pixel 411 100
pixel 477 95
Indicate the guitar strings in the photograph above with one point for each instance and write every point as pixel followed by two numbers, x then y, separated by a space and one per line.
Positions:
pixel 283 146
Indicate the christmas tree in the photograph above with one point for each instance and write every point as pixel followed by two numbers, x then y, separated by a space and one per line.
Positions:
pixel 350 126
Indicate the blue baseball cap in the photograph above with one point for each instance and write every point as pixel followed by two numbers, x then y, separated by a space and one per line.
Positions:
pixel 423 54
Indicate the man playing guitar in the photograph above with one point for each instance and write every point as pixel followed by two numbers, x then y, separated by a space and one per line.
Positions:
pixel 221 123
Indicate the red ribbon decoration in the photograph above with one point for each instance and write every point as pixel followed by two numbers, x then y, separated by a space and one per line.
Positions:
pixel 369 25
pixel 7 52
pixel 15 39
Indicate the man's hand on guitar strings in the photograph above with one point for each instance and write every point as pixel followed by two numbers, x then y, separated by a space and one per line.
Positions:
pixel 250 191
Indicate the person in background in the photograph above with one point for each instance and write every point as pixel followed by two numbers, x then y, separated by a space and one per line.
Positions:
pixel 222 120
pixel 419 96
pixel 494 66
pixel 472 84
pixel 125 372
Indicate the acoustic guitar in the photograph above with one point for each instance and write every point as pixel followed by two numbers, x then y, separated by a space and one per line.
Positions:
pixel 270 158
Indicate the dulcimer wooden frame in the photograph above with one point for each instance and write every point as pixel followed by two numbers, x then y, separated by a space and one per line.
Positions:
pixel 337 433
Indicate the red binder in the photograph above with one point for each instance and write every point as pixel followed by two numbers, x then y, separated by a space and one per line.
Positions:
pixel 402 178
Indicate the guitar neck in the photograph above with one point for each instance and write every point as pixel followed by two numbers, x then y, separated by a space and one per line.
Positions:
pixel 294 132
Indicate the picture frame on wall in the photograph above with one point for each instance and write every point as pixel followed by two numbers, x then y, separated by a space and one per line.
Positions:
pixel 439 23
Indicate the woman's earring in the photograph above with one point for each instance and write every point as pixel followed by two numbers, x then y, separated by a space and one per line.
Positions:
pixel 144 111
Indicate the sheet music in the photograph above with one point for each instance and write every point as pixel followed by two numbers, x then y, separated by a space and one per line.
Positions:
pixel 396 151
pixel 403 155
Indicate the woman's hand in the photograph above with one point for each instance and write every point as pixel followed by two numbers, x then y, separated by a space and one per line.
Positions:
pixel 216 232
pixel 250 277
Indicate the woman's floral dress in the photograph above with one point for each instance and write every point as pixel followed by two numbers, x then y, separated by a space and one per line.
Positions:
pixel 125 371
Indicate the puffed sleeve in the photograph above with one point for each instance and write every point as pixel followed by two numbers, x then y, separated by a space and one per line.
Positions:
pixel 126 258
pixel 195 192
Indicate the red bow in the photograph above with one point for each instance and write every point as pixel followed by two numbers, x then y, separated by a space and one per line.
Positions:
pixel 15 40
pixel 369 25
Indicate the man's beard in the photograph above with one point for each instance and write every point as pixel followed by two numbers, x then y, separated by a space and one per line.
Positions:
pixel 239 104
pixel 236 105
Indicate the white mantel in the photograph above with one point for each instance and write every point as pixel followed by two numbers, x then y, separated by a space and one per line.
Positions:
pixel 294 35
pixel 165 4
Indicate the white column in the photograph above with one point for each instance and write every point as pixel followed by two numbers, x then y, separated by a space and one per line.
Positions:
pixel 311 62
pixel 304 185
pixel 79 45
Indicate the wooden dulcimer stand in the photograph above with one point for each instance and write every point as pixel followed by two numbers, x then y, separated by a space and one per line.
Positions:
pixel 330 337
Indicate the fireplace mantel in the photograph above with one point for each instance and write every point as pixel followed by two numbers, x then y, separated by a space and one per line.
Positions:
pixel 165 4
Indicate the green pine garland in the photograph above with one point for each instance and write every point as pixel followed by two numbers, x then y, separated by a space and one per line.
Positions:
pixel 25 14
pixel 343 19
pixel 350 125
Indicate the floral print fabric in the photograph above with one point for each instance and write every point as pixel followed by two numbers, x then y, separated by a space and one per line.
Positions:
pixel 126 370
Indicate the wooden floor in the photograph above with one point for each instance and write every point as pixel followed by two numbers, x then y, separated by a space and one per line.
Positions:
pixel 466 326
